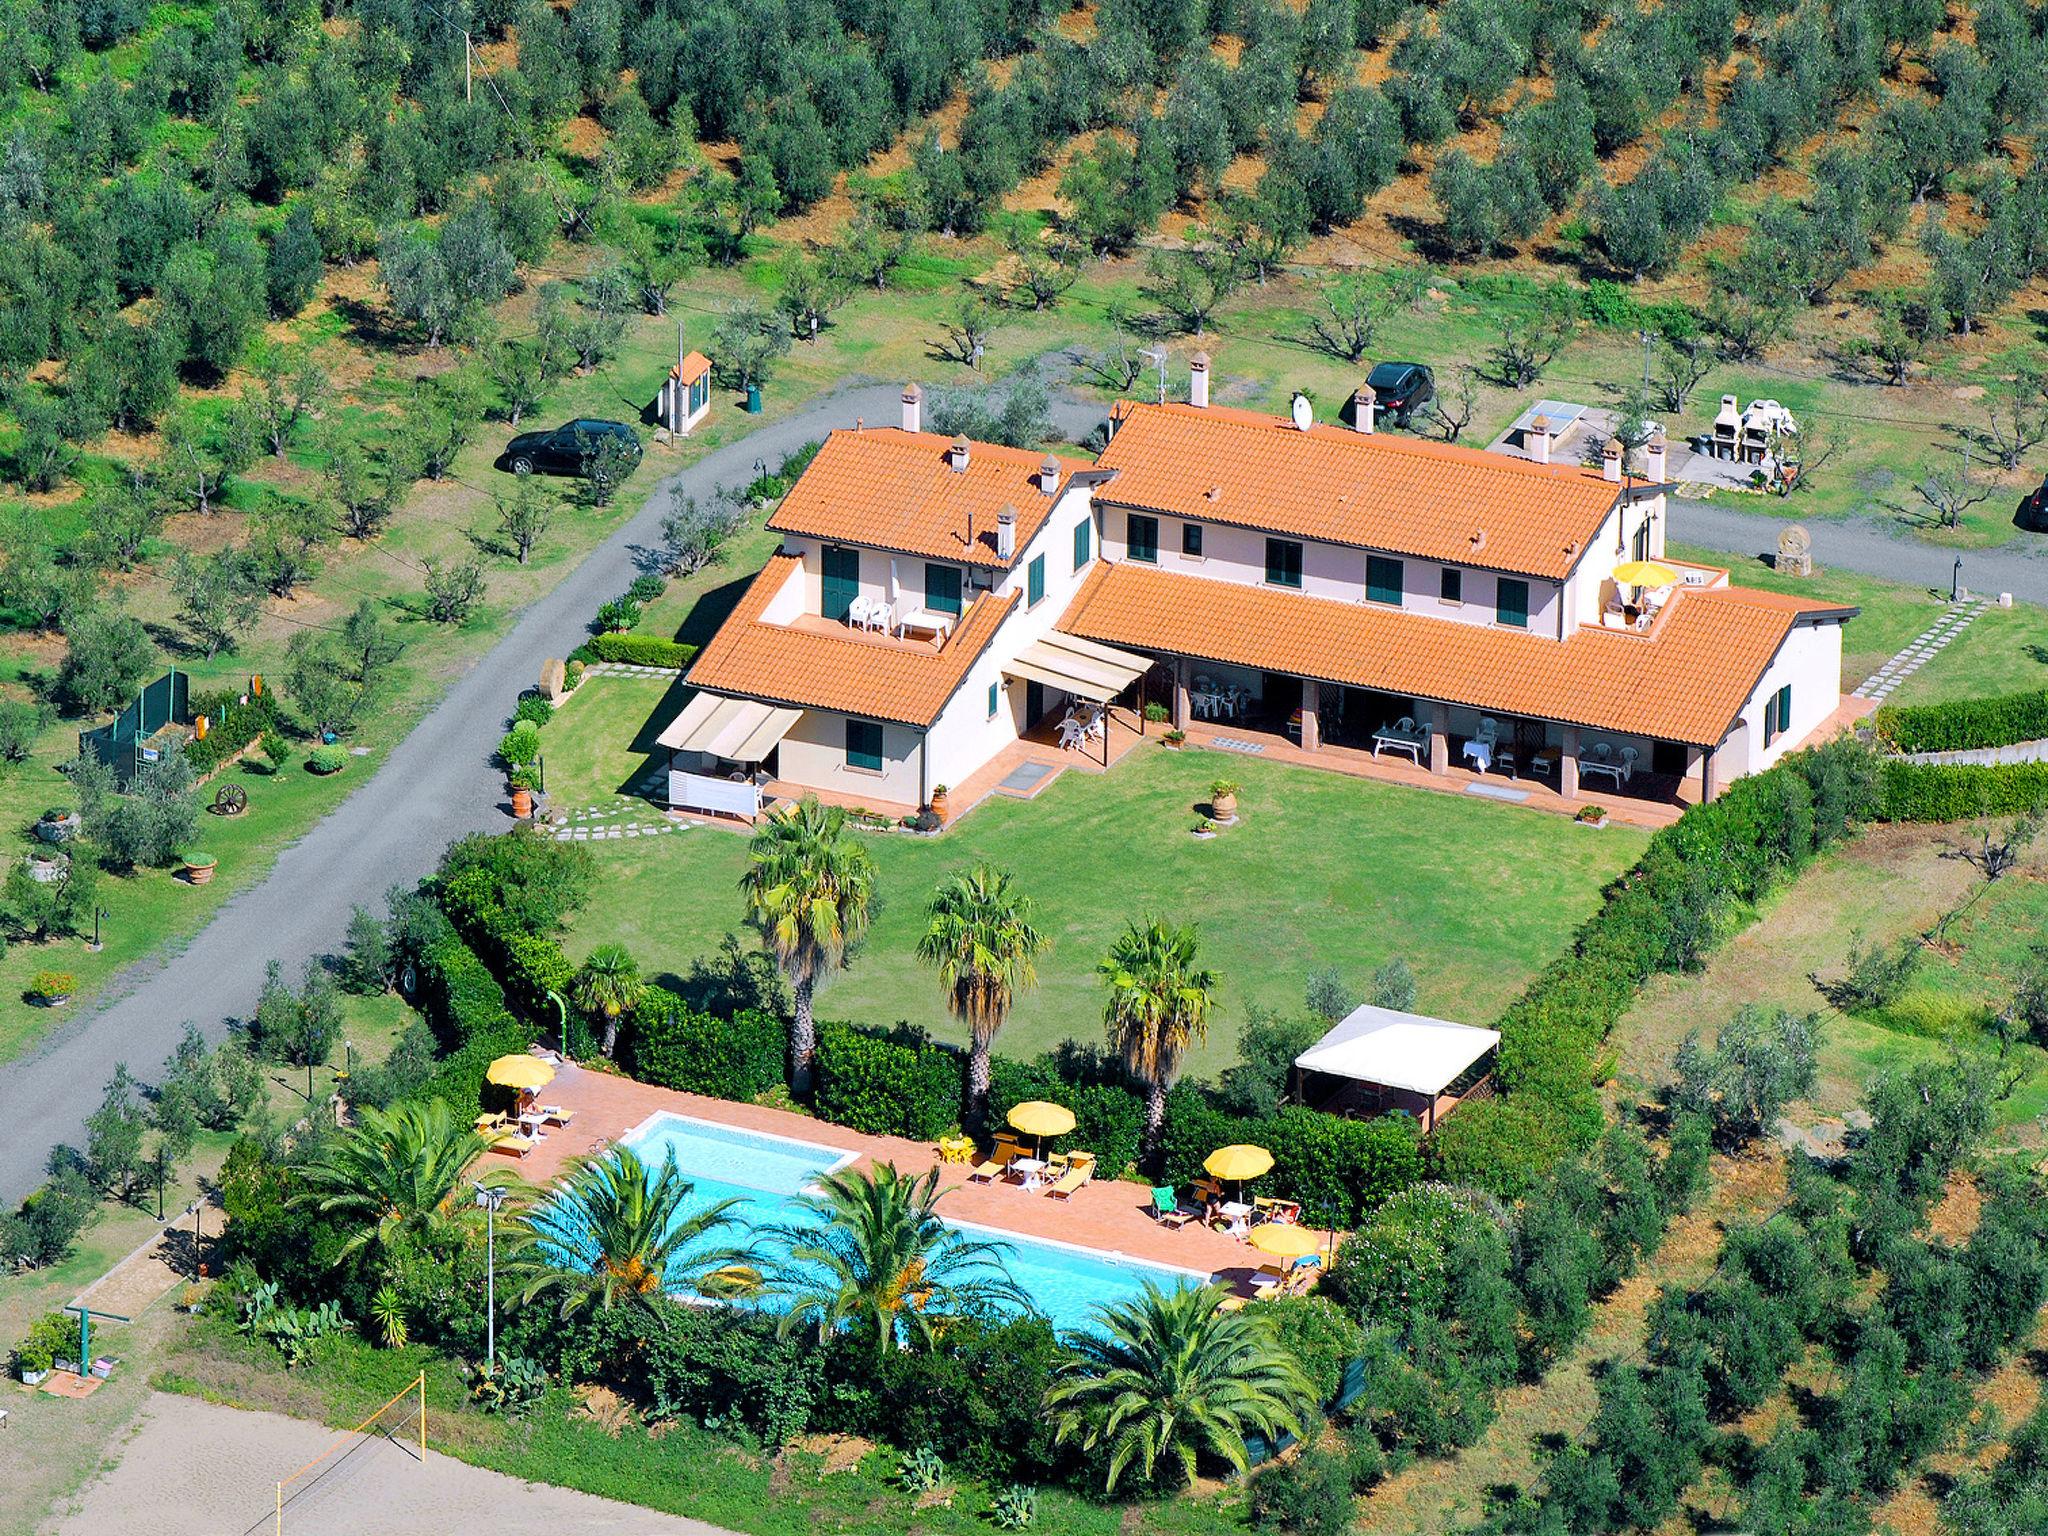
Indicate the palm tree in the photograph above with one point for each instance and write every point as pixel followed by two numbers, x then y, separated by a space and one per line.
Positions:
pixel 810 890
pixel 399 1173
pixel 605 986
pixel 1159 1004
pixel 619 1234
pixel 1170 1376
pixel 875 1256
pixel 985 949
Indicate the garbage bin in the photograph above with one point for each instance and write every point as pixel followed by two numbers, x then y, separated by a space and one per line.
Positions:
pixel 753 399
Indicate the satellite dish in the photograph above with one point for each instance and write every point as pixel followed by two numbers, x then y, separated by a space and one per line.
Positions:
pixel 1304 413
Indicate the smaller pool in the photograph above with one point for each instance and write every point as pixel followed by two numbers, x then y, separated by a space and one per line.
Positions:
pixel 765 1173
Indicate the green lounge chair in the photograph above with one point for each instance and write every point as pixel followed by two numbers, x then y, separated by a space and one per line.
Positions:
pixel 1166 1208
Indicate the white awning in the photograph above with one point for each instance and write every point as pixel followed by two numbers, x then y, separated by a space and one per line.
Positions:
pixel 738 730
pixel 1080 667
pixel 1398 1050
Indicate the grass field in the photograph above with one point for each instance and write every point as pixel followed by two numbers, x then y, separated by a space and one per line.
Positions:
pixel 1322 871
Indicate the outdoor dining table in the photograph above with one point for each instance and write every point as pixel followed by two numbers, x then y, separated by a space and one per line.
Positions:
pixel 1591 764
pixel 1479 753
pixel 1026 1168
pixel 1411 742
pixel 1235 1209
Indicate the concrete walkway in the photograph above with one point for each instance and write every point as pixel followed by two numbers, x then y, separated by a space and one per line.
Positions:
pixel 435 786
pixel 192 1468
pixel 1920 650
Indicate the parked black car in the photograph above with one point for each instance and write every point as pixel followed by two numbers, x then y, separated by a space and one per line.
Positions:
pixel 1400 390
pixel 2033 512
pixel 562 450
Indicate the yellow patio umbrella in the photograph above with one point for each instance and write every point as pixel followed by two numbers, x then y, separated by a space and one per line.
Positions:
pixel 525 1073
pixel 1238 1163
pixel 1648 575
pixel 1284 1240
pixel 1039 1119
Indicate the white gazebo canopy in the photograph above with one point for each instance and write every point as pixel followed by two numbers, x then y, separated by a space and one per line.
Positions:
pixel 1398 1050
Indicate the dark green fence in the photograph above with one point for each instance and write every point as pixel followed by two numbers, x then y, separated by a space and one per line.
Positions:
pixel 121 744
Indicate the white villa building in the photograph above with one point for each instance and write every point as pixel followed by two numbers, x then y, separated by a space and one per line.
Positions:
pixel 1328 587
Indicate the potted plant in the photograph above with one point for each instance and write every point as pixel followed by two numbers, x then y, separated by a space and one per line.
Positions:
pixel 1223 800
pixel 939 803
pixel 1172 739
pixel 1594 816
pixel 52 989
pixel 32 1360
pixel 1204 828
pixel 1155 713
pixel 524 781
pixel 199 867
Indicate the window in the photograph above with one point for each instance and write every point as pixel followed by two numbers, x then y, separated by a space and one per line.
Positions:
pixel 864 745
pixel 1511 604
pixel 1082 546
pixel 1640 547
pixel 1191 540
pixel 1777 714
pixel 1453 588
pixel 1283 562
pixel 995 693
pixel 1034 583
pixel 942 589
pixel 1382 579
pixel 1143 539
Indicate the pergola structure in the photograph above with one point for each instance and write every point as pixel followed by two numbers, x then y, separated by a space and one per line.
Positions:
pixel 1381 1059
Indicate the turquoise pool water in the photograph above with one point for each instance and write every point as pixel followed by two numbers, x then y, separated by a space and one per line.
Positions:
pixel 765 1173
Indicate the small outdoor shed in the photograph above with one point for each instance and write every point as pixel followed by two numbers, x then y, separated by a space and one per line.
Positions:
pixel 685 394
pixel 1380 1059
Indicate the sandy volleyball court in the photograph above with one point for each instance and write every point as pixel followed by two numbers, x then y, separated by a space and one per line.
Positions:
pixel 189 1468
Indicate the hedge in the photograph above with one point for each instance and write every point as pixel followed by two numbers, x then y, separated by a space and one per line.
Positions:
pixel 1109 1119
pixel 231 725
pixel 531 965
pixel 898 1083
pixel 671 1045
pixel 1340 1170
pixel 466 1007
pixel 640 650
pixel 1962 724
pixel 1957 792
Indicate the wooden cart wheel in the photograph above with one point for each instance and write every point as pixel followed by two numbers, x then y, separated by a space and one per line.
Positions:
pixel 231 800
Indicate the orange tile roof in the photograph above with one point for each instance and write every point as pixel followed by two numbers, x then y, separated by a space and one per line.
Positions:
pixel 1685 681
pixel 818 669
pixel 890 489
pixel 1375 491
pixel 694 366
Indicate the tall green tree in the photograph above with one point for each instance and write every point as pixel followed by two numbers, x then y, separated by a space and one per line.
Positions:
pixel 605 986
pixel 1159 1002
pixel 397 1176
pixel 810 892
pixel 982 941
pixel 1169 1377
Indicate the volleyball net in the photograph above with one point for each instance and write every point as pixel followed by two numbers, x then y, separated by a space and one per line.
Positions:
pixel 401 1421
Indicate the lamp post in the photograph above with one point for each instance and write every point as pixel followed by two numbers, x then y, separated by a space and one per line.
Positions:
pixel 98 912
pixel 1955 581
pixel 490 1199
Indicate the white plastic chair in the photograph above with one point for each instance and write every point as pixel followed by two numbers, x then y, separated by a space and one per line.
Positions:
pixel 1070 735
pixel 860 613
pixel 1628 763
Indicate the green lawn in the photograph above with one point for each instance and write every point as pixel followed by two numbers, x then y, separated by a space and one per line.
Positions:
pixel 1322 871
pixel 601 741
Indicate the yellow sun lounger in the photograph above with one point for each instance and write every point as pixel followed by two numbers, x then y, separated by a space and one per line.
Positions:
pixel 988 1172
pixel 1079 1170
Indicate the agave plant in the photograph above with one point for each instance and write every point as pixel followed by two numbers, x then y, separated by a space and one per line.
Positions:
pixel 1170 1377
pixel 876 1258
pixel 620 1234
pixel 388 1313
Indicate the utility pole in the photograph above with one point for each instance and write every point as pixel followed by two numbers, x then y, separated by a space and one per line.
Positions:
pixel 466 50
pixel 1646 360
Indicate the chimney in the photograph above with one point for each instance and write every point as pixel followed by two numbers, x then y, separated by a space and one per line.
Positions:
pixel 1536 441
pixel 1049 475
pixel 1653 452
pixel 1610 461
pixel 1198 380
pixel 1361 408
pixel 913 408
pixel 957 455
pixel 1006 534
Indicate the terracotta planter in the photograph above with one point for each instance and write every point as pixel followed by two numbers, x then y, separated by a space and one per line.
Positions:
pixel 939 806
pixel 1225 807
pixel 522 803
pixel 199 873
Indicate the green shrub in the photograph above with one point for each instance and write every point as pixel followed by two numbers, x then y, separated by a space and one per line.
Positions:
pixel 898 1083
pixel 466 1007
pixel 1310 1495
pixel 50 1336
pixel 1961 724
pixel 1322 1336
pixel 1340 1170
pixel 520 745
pixel 640 651
pixel 324 760
pixel 532 709
pixel 231 726
pixel 1364 1458
pixel 962 1400
pixel 646 588
pixel 671 1044
pixel 1959 792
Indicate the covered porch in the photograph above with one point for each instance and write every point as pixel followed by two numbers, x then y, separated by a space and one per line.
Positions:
pixel 1379 1061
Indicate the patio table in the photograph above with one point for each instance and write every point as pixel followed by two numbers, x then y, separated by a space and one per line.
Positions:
pixel 1026 1168
pixel 1235 1209
pixel 1410 742
pixel 940 624
pixel 1590 766
pixel 1479 753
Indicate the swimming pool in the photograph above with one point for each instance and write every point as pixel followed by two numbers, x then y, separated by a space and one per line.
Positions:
pixel 765 1174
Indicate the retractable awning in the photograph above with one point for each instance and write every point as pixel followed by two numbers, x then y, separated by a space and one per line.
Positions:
pixel 1084 668
pixel 738 730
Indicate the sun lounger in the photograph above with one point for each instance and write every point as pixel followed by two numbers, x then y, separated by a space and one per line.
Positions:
pixel 554 1114
pixel 515 1142
pixel 1079 1170
pixel 1167 1210
pixel 988 1171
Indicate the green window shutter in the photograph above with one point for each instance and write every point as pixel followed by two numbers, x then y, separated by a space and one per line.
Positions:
pixel 1383 579
pixel 942 589
pixel 1034 583
pixel 864 745
pixel 841 564
pixel 1511 603
pixel 1082 547
pixel 994 693
pixel 1143 539
pixel 1785 708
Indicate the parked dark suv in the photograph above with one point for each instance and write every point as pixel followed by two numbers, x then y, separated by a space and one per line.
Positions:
pixel 1400 390
pixel 562 450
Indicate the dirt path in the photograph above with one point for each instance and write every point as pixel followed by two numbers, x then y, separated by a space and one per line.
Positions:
pixel 190 1468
